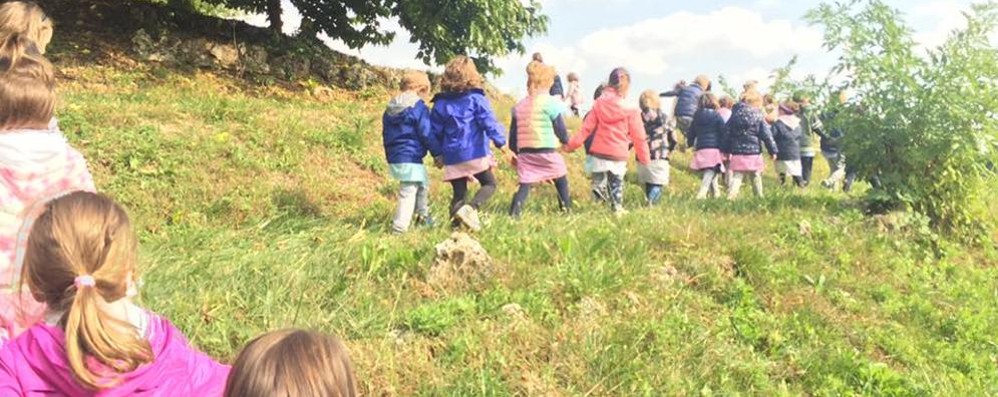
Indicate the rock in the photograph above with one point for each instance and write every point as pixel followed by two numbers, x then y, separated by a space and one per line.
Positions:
pixel 591 309
pixel 255 59
pixel 225 55
pixel 460 261
pixel 514 311
pixel 294 67
pixel 804 227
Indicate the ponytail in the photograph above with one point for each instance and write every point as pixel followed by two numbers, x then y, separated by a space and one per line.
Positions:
pixel 27 84
pixel 80 256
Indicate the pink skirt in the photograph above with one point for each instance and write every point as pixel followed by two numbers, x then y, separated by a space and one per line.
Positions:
pixel 705 159
pixel 469 169
pixel 747 163
pixel 540 167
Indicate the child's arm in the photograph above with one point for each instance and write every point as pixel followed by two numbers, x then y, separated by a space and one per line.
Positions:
pixel 560 129
pixel 436 129
pixel 512 134
pixel 588 128
pixel 424 130
pixel 636 129
pixel 766 135
pixel 486 120
pixel 691 135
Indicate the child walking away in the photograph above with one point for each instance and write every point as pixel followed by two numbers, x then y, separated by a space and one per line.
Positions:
pixel 463 124
pixel 661 141
pixel 407 139
pixel 80 259
pixel 537 129
pixel 597 185
pixel 724 107
pixel 810 127
pixel 615 126
pixel 706 136
pixel 787 134
pixel 687 101
pixel 36 162
pixel 293 363
pixel 574 93
pixel 747 132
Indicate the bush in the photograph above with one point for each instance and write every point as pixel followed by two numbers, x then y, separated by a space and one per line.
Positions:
pixel 926 125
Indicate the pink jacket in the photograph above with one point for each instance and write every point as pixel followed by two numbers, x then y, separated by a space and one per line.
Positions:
pixel 35 165
pixel 616 126
pixel 34 365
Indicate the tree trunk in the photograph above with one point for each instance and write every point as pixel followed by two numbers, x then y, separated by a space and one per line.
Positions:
pixel 274 12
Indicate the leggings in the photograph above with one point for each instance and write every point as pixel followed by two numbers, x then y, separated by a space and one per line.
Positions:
pixel 807 167
pixel 564 200
pixel 488 181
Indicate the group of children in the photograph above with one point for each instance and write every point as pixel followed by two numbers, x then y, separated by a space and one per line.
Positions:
pixel 70 323
pixel 728 137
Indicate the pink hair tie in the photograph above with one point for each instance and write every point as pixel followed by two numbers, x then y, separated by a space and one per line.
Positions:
pixel 85 280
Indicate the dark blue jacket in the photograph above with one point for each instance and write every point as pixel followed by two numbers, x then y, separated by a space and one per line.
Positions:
pixel 706 130
pixel 688 101
pixel 406 132
pixel 831 141
pixel 463 123
pixel 788 137
pixel 556 88
pixel 661 139
pixel 747 131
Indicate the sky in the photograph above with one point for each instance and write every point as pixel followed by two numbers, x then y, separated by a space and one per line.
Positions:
pixel 661 42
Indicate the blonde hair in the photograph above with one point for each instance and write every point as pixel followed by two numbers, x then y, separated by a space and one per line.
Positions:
pixel 539 76
pixel 292 363
pixel 708 101
pixel 703 81
pixel 414 80
pixel 26 18
pixel 573 77
pixel 78 235
pixel 460 75
pixel 649 100
pixel 27 85
pixel 726 102
pixel 753 98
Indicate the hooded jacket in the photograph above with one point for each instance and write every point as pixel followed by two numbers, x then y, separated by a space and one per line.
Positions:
pixel 34 365
pixel 538 125
pixel 831 141
pixel 747 132
pixel 615 126
pixel 661 139
pixel 706 130
pixel 462 123
pixel 788 133
pixel 688 100
pixel 406 130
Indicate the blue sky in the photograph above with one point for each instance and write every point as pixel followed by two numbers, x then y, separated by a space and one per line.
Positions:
pixel 663 41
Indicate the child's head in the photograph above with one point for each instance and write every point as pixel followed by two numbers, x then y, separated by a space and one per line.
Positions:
pixel 537 57
pixel 599 91
pixel 292 363
pixel 703 81
pixel 751 85
pixel 708 101
pixel 681 84
pixel 753 98
pixel 460 75
pixel 573 78
pixel 620 79
pixel 415 81
pixel 649 100
pixel 540 77
pixel 788 108
pixel 726 102
pixel 27 85
pixel 80 257
pixel 26 18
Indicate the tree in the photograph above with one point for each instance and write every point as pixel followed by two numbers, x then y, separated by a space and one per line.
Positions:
pixel 481 29
pixel 926 125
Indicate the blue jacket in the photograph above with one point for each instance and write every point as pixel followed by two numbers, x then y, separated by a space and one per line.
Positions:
pixel 747 131
pixel 406 130
pixel 462 124
pixel 688 100
pixel 706 130
pixel 788 132
pixel 556 88
pixel 831 141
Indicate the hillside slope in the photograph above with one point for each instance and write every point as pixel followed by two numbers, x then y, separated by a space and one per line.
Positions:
pixel 264 206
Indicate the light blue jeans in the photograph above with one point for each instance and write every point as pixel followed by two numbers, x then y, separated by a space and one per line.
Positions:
pixel 413 199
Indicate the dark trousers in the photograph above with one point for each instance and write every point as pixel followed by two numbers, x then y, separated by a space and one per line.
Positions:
pixel 807 166
pixel 488 181
pixel 520 198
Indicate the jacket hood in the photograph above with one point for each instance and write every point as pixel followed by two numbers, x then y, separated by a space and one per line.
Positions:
pixel 612 108
pixel 401 103
pixel 790 120
pixel 33 151
pixel 458 95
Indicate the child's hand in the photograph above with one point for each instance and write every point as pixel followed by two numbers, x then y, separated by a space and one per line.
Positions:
pixel 564 149
pixel 773 156
pixel 511 157
pixel 438 162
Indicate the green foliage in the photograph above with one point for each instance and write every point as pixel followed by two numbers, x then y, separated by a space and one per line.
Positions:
pixel 925 125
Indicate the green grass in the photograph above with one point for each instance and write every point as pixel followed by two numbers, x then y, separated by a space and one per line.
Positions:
pixel 262 209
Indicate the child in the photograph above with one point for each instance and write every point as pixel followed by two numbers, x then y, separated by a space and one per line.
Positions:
pixel 724 107
pixel 292 363
pixel 787 134
pixel 661 141
pixel 406 124
pixel 687 101
pixel 574 93
pixel 537 129
pixel 27 19
pixel 614 125
pixel 770 108
pixel 81 260
pixel 810 127
pixel 747 132
pixel 463 124
pixel 35 162
pixel 707 136
pixel 598 185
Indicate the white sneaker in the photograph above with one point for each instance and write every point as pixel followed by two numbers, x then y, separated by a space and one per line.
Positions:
pixel 469 217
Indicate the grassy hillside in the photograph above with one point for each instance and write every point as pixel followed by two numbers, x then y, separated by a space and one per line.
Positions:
pixel 261 207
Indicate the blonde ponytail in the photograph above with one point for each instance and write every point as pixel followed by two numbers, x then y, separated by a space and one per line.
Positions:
pixel 27 85
pixel 27 19
pixel 80 257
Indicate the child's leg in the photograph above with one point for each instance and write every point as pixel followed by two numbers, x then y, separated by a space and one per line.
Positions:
pixel 519 198
pixel 807 165
pixel 564 198
pixel 599 186
pixel 783 179
pixel 707 184
pixel 654 193
pixel 460 194
pixel 615 183
pixel 407 202
pixel 423 201
pixel 757 183
pixel 799 181
pixel 715 188
pixel 736 185
pixel 488 181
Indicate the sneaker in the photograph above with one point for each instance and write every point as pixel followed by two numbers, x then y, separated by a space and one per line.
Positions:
pixel 599 194
pixel 469 217
pixel 425 221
